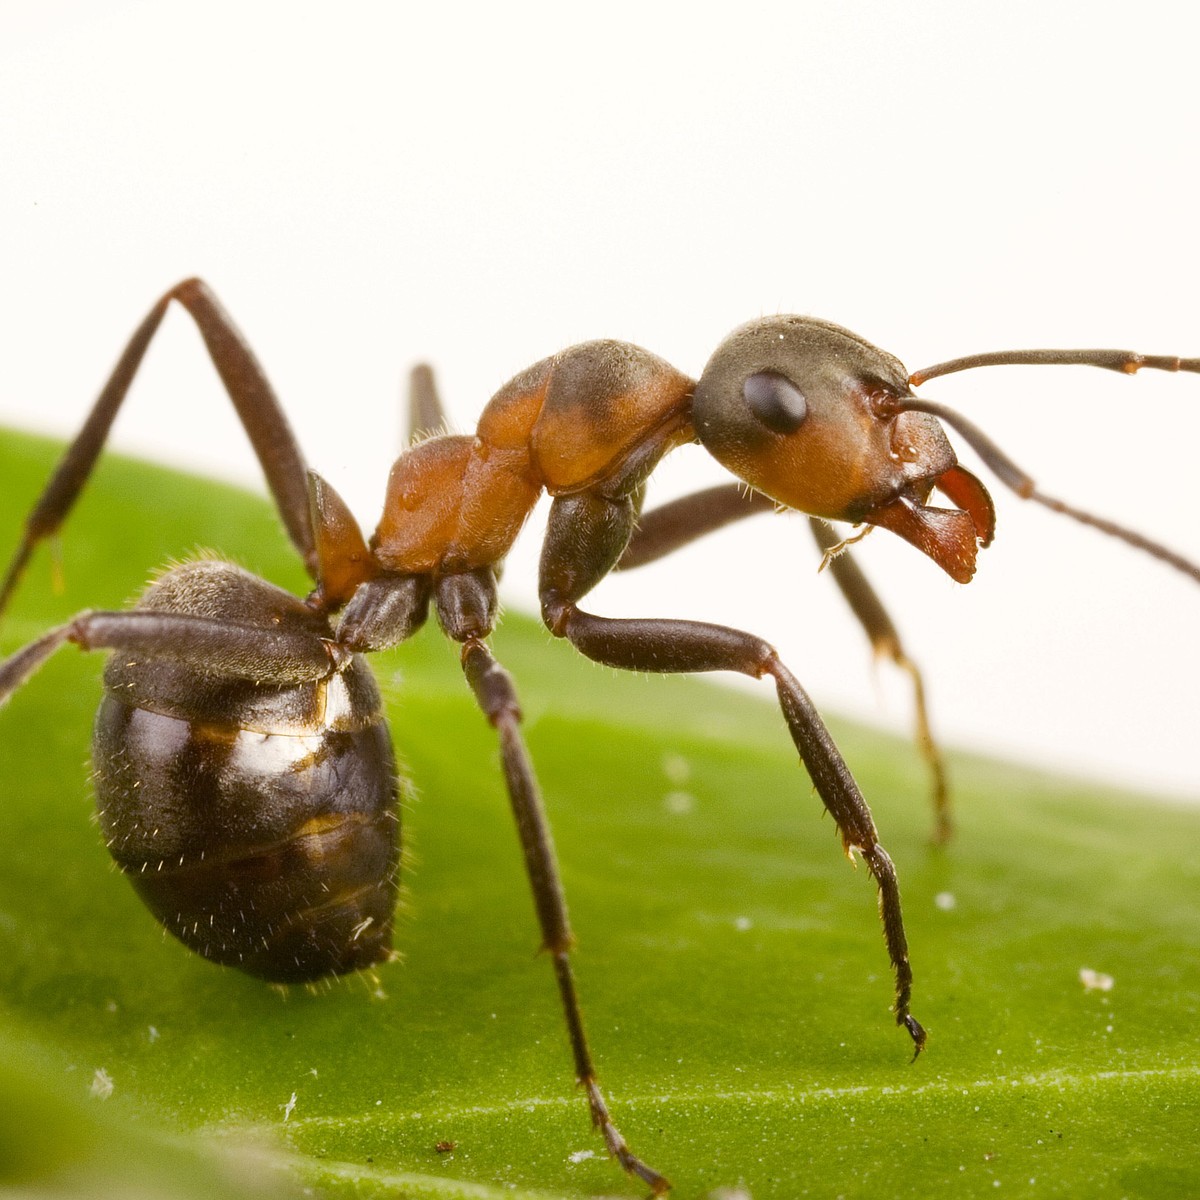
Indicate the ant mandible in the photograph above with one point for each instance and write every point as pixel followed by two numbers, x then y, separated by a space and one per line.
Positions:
pixel 276 850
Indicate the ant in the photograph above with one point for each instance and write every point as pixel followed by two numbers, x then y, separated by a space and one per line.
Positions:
pixel 245 777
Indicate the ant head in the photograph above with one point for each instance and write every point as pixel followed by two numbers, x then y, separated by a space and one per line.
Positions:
pixel 811 415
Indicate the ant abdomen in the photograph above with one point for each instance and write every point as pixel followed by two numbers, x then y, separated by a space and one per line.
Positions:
pixel 257 820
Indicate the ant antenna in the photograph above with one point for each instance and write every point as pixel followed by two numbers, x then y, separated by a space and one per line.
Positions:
pixel 1124 361
pixel 1127 362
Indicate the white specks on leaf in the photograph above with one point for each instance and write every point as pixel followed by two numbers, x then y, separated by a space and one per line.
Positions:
pixel 1095 981
pixel 676 768
pixel 679 804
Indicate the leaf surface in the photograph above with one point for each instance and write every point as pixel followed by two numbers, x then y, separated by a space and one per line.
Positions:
pixel 732 972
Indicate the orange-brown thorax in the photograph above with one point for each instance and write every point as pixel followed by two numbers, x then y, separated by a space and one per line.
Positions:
pixel 570 423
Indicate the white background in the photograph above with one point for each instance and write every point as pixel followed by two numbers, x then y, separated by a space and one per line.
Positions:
pixel 367 185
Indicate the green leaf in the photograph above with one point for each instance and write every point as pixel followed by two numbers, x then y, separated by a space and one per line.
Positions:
pixel 732 971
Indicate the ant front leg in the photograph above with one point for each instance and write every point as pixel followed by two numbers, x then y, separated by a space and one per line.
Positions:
pixel 666 528
pixel 252 396
pixel 885 641
pixel 675 524
pixel 466 607
pixel 587 534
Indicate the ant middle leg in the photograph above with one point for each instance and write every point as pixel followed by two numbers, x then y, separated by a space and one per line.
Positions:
pixel 252 396
pixel 425 415
pixel 587 533
pixel 465 605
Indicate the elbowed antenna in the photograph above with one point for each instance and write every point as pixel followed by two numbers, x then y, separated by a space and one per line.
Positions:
pixel 1126 362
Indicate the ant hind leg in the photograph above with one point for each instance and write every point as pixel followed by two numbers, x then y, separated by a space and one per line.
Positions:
pixel 252 396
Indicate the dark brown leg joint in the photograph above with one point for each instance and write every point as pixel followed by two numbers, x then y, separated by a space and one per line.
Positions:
pixel 491 683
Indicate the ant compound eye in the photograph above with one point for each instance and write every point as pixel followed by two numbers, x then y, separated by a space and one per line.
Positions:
pixel 775 401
